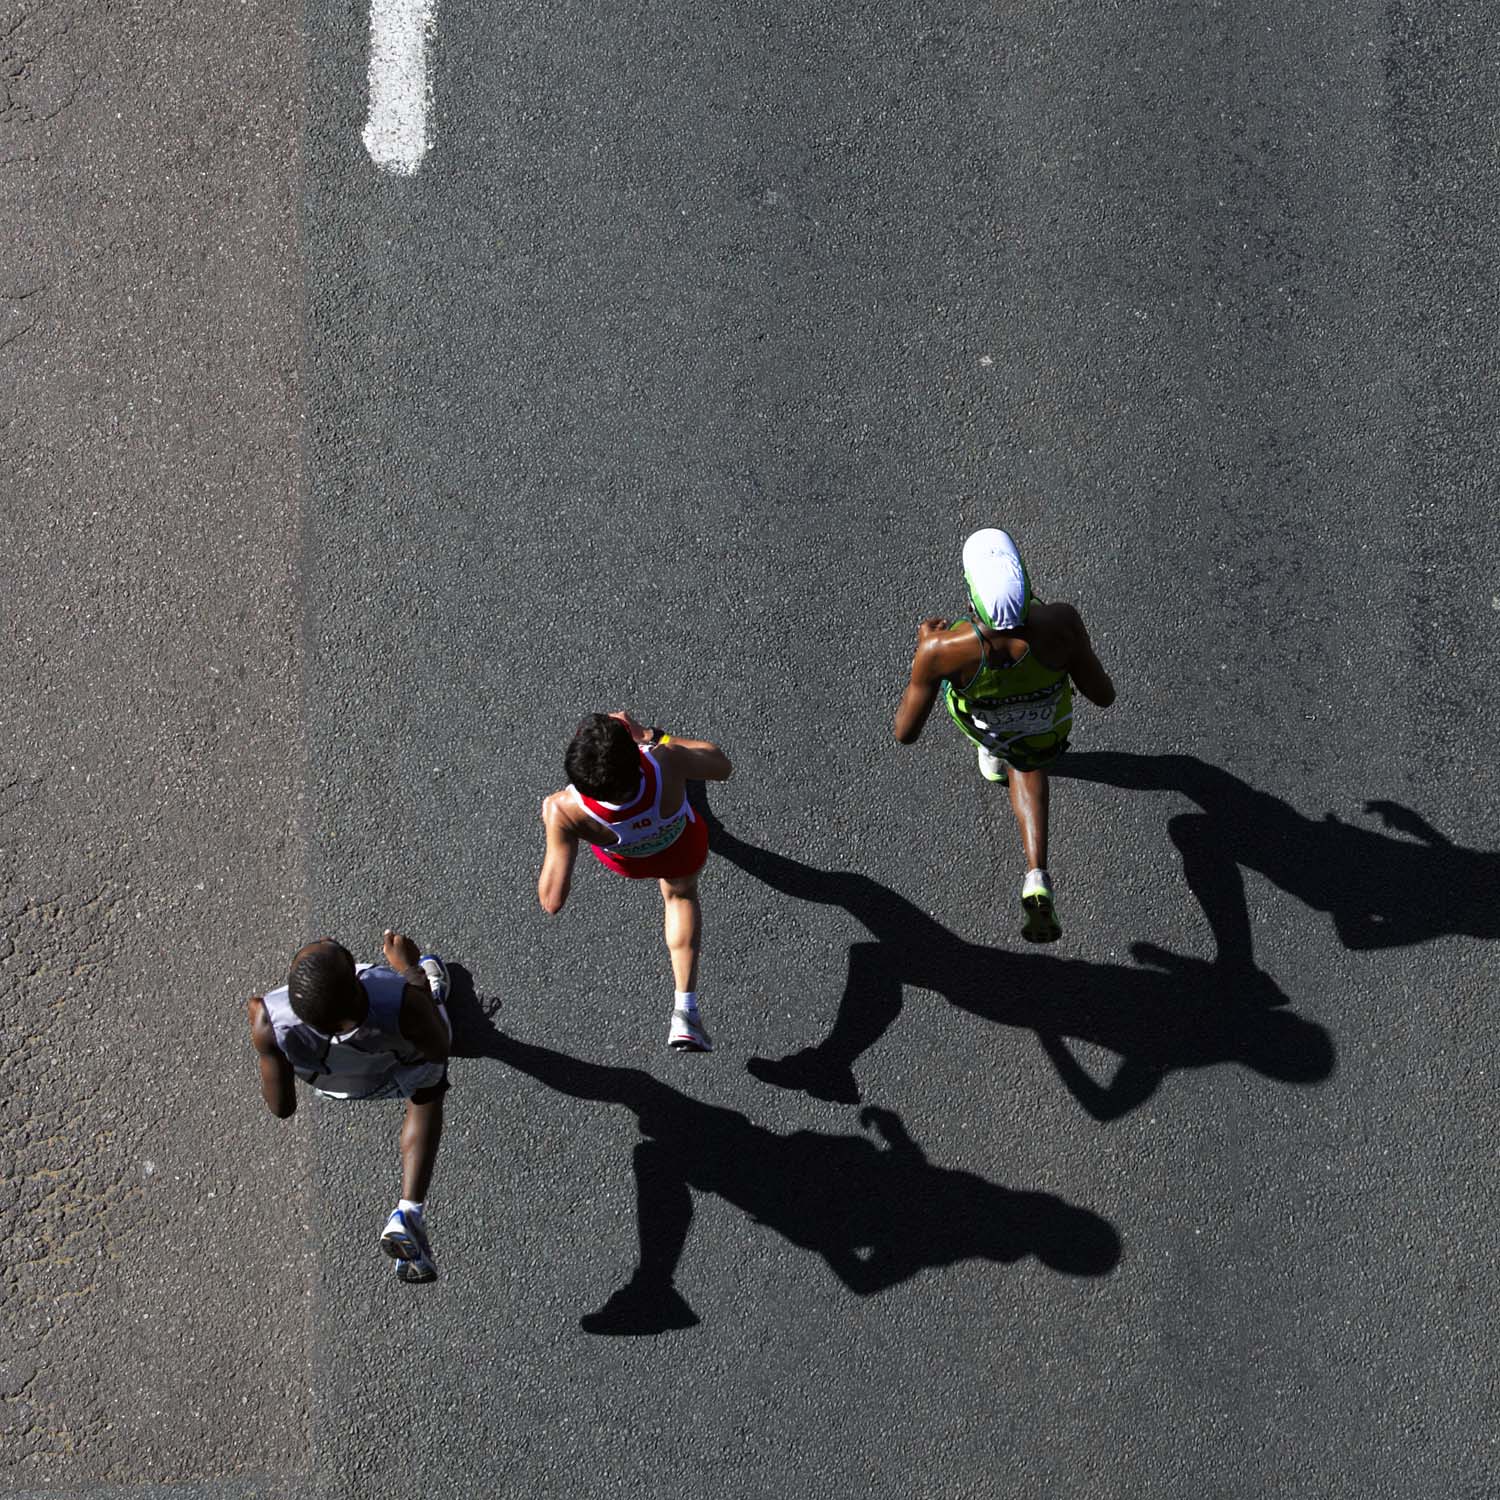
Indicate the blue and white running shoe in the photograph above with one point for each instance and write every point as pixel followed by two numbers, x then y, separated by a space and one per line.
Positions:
pixel 416 1271
pixel 404 1239
pixel 437 976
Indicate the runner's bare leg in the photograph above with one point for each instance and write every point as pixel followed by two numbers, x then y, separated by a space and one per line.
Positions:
pixel 1030 796
pixel 421 1134
pixel 684 929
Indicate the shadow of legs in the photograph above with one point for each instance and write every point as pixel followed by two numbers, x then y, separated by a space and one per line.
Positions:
pixel 648 1303
pixel 870 1004
pixel 1216 880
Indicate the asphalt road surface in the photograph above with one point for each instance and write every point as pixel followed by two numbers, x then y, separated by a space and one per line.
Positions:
pixel 672 381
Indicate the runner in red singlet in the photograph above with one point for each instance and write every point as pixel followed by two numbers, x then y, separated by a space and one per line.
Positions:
pixel 627 800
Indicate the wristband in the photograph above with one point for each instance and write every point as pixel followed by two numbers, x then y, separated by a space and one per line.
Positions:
pixel 664 739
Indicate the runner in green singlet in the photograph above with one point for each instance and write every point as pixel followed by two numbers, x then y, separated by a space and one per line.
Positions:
pixel 1007 676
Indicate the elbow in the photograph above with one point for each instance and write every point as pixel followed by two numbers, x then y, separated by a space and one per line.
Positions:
pixel 1106 698
pixel 282 1109
pixel 551 903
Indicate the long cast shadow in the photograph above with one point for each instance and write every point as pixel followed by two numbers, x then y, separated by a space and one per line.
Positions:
pixel 876 1214
pixel 1172 1012
pixel 1381 891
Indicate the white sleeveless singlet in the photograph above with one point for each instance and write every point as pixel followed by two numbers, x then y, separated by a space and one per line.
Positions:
pixel 360 1064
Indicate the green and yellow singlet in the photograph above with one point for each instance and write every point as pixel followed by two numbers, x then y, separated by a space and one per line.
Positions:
pixel 1020 711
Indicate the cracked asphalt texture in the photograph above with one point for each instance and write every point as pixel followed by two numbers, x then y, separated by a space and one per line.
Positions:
pixel 673 382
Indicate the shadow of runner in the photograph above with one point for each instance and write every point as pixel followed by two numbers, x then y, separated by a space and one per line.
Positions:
pixel 876 1214
pixel 1382 892
pixel 1174 1012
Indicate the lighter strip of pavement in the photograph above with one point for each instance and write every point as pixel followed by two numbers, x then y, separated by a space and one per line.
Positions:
pixel 157 1271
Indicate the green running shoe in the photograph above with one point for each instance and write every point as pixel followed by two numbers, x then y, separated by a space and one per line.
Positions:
pixel 1041 925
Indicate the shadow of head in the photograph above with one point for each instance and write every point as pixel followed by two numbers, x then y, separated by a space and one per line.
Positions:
pixel 1281 1045
pixel 1075 1241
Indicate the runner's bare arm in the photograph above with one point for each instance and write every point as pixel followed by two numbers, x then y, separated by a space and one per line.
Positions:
pixel 421 1021
pixel 695 760
pixel 278 1086
pixel 557 864
pixel 1088 675
pixel 704 760
pixel 929 666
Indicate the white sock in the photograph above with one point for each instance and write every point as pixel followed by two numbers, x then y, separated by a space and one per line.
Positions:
pixel 406 1206
pixel 685 1000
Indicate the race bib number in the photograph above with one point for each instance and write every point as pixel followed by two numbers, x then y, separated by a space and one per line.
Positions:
pixel 1016 721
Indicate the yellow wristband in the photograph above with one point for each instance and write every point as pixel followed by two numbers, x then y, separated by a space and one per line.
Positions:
pixel 664 739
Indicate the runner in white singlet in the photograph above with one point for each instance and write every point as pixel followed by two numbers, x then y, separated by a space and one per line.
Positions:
pixel 366 1031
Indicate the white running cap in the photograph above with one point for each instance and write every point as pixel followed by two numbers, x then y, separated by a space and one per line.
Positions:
pixel 998 586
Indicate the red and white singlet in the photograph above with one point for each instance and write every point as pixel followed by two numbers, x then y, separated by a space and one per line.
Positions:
pixel 663 848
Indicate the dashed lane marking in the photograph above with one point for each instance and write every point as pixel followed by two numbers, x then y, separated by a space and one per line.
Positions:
pixel 398 132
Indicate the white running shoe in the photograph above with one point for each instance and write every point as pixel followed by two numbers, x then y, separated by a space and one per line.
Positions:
pixel 404 1238
pixel 992 767
pixel 687 1033
pixel 437 976
pixel 1037 902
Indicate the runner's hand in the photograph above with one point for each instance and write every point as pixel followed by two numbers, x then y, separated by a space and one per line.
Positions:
pixel 637 731
pixel 400 951
pixel 931 626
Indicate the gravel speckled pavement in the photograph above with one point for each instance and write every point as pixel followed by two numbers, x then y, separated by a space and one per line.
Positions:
pixel 673 382
pixel 157 1269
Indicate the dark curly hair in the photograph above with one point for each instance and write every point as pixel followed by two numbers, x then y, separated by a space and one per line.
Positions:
pixel 602 760
pixel 321 987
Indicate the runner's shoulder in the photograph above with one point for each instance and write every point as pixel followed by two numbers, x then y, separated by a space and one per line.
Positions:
pixel 1060 622
pixel 676 762
pixel 954 648
pixel 562 810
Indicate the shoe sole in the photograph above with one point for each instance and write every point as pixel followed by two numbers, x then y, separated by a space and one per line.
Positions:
pixel 416 1273
pixel 400 1247
pixel 682 1038
pixel 1042 925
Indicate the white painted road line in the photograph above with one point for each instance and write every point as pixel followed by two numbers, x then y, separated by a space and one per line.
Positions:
pixel 397 133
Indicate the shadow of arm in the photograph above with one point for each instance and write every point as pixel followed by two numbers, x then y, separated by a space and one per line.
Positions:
pixel 1405 820
pixel 888 1125
pixel 571 1075
pixel 867 1274
pixel 1134 1082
